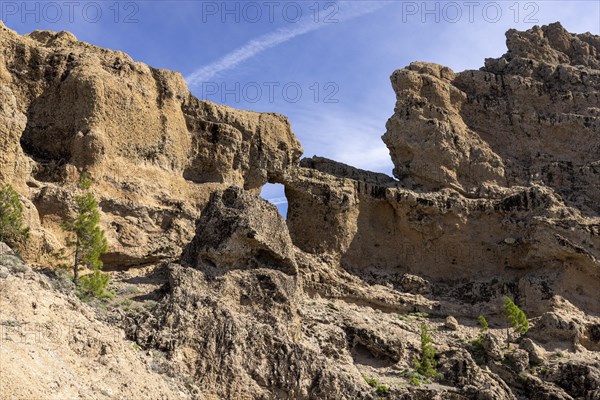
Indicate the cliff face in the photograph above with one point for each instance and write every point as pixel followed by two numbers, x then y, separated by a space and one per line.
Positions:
pixel 154 151
pixel 529 116
pixel 496 192
pixel 497 170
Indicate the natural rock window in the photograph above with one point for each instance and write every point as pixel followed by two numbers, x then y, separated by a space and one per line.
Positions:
pixel 275 194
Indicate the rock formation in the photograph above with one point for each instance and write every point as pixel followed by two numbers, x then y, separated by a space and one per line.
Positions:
pixel 496 192
pixel 154 151
pixel 497 175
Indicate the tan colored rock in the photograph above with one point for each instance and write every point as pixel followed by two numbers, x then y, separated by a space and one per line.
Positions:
pixel 414 284
pixel 322 211
pixel 493 346
pixel 451 323
pixel 518 359
pixel 496 194
pixel 556 327
pixel 444 235
pixel 238 230
pixel 154 152
pixel 537 354
pixel 591 336
pixel 431 146
pixel 578 379
pixel 240 335
pixel 530 115
pixel 496 174
pixel 54 347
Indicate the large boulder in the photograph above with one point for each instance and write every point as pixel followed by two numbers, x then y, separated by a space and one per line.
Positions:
pixel 239 230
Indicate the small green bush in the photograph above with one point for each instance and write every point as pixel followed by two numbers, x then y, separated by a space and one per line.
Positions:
pixel 94 285
pixel 484 324
pixel 150 304
pixel 416 379
pixel 371 381
pixel 477 343
pixel 380 389
pixel 426 366
pixel 516 318
pixel 12 229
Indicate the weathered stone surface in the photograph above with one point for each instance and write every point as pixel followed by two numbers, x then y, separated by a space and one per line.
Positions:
pixel 240 336
pixel 54 346
pixel 451 323
pixel 537 355
pixel 322 211
pixel 238 230
pixel 496 194
pixel 530 115
pixel 591 336
pixel 446 236
pixel 518 359
pixel 493 347
pixel 580 380
pixel 557 327
pixel 495 176
pixel 154 152
pixel 460 370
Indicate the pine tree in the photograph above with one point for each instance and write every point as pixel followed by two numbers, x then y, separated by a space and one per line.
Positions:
pixel 484 324
pixel 516 318
pixel 90 242
pixel 12 230
pixel 426 366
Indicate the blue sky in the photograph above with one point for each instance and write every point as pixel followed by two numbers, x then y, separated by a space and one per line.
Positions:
pixel 324 64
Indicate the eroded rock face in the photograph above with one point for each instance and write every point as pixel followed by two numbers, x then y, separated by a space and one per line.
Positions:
pixel 523 232
pixel 531 115
pixel 494 195
pixel 50 337
pixel 231 319
pixel 238 230
pixel 497 177
pixel 154 151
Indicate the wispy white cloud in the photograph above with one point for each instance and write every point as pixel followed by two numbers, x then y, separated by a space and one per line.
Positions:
pixel 347 10
pixel 345 135
pixel 278 200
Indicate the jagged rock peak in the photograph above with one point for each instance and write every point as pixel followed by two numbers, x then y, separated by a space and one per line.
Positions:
pixel 549 44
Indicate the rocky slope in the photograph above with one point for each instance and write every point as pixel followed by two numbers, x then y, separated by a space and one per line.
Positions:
pixel 52 346
pixel 495 193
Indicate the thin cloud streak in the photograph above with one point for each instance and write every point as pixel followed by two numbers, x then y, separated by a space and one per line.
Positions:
pixel 282 35
pixel 277 200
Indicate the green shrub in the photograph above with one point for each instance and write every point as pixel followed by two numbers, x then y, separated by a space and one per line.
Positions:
pixel 94 285
pixel 89 242
pixel 371 381
pixel 416 379
pixel 516 318
pixel 426 366
pixel 484 324
pixel 477 343
pixel 150 304
pixel 380 389
pixel 12 229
